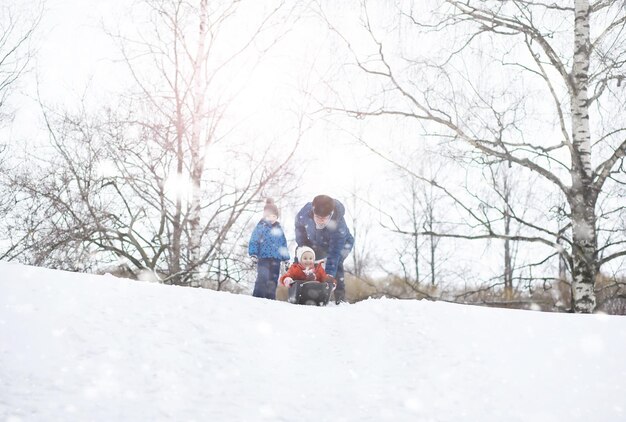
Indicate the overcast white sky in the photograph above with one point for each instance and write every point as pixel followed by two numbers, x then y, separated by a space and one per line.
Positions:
pixel 77 57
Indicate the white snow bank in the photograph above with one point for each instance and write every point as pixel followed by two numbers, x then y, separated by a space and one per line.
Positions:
pixel 76 347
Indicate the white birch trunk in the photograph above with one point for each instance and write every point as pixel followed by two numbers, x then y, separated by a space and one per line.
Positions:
pixel 582 198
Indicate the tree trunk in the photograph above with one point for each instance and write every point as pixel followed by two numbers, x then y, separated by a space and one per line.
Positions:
pixel 582 197
pixel 508 268
pixel 433 242
pixel 197 153
pixel 508 259
pixel 583 256
pixel 356 261
pixel 177 218
pixel 416 245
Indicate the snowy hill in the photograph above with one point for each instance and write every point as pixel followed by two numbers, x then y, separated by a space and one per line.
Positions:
pixel 75 347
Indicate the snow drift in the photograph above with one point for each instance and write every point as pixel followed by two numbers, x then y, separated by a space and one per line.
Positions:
pixel 81 347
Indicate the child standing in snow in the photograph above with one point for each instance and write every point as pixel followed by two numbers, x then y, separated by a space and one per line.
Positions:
pixel 269 246
pixel 305 269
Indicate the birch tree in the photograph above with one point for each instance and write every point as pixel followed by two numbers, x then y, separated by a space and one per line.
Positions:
pixel 535 84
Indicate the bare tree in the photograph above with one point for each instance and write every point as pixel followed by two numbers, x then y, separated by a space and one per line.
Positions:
pixel 103 197
pixel 419 205
pixel 430 201
pixel 362 255
pixel 17 29
pixel 508 254
pixel 162 181
pixel 17 32
pixel 572 55
pixel 506 186
pixel 192 67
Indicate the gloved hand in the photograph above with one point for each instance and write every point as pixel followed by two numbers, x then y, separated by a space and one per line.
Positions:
pixel 287 281
pixel 310 274
pixel 332 280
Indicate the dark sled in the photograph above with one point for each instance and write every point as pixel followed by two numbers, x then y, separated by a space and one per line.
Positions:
pixel 310 293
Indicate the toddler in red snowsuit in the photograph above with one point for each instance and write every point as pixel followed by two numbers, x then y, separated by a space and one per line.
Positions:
pixel 305 269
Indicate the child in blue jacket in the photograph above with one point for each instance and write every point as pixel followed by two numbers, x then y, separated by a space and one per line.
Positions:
pixel 269 246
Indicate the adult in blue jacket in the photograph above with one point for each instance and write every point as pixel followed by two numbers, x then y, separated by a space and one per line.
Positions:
pixel 321 226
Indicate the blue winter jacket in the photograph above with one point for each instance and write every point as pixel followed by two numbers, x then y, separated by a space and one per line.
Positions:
pixel 268 241
pixel 334 242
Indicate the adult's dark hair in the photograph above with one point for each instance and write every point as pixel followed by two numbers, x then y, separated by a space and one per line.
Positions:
pixel 323 205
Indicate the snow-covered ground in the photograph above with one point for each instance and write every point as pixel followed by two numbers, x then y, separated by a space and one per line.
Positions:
pixel 76 347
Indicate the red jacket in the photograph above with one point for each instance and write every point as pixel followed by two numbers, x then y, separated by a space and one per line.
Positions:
pixel 296 271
